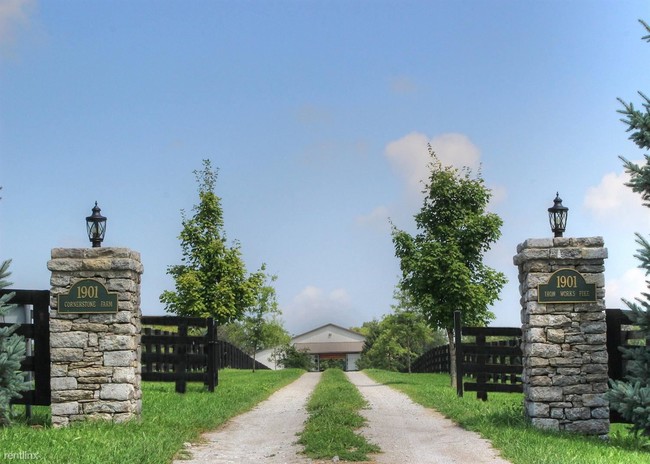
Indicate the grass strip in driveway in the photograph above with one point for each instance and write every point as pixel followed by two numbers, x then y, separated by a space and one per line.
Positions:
pixel 169 419
pixel 333 418
pixel 501 420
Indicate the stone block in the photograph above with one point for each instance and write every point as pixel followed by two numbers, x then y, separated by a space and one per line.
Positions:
pixel 580 389
pixel 60 325
pixel 535 362
pixel 111 407
pixel 555 335
pixel 63 383
pixel 64 265
pixel 574 414
pixel 540 381
pixel 596 339
pixel 535 335
pixel 70 339
pixel 66 354
pixel 545 423
pixel 593 253
pixel 595 400
pixel 124 375
pixel 594 328
pixel 111 342
pixel 65 409
pixel 549 320
pixel 542 350
pixel 87 326
pixel 600 413
pixel 589 427
pixel 64 396
pixel 119 358
pixel 545 394
pixel 557 413
pixel 117 391
pixel 537 410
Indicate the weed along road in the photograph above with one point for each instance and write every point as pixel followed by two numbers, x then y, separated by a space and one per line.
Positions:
pixel 406 432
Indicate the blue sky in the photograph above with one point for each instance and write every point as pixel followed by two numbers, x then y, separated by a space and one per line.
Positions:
pixel 317 114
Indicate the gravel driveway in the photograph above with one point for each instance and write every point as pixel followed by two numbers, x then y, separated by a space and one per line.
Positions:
pixel 406 432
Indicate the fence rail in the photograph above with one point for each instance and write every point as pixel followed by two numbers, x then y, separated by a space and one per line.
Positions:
pixel 434 360
pixel 181 356
pixel 495 366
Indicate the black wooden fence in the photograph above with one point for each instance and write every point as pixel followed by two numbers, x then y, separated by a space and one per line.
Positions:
pixel 37 335
pixel 434 360
pixel 494 366
pixel 189 353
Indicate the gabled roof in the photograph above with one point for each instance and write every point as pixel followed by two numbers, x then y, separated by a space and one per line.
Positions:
pixel 354 334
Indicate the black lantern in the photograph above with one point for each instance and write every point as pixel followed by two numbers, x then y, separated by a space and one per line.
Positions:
pixel 557 215
pixel 96 226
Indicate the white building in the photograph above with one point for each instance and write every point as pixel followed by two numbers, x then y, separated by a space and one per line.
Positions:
pixel 328 342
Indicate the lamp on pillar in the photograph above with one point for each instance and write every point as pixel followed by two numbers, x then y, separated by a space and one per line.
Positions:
pixel 557 215
pixel 96 226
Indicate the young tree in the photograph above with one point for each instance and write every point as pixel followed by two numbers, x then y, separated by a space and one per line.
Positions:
pixel 260 328
pixel 288 356
pixel 442 266
pixel 12 353
pixel 212 280
pixel 631 398
pixel 395 341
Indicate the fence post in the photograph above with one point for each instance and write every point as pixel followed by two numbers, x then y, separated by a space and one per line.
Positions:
pixel 181 360
pixel 458 345
pixel 481 377
pixel 211 352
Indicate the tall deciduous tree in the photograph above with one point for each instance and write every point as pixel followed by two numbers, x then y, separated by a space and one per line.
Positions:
pixel 631 398
pixel 442 265
pixel 212 280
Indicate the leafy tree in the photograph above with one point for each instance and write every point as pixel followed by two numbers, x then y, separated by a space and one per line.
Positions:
pixel 395 341
pixel 212 280
pixel 631 398
pixel 260 328
pixel 12 353
pixel 442 266
pixel 289 356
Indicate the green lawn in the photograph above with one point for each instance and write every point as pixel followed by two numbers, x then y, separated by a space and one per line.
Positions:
pixel 168 420
pixel 501 420
pixel 333 418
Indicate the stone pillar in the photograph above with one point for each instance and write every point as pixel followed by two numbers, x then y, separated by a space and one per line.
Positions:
pixel 564 343
pixel 95 352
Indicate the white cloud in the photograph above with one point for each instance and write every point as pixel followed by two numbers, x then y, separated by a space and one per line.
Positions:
pixel 313 307
pixel 13 15
pixel 376 219
pixel 630 285
pixel 613 202
pixel 409 156
pixel 456 150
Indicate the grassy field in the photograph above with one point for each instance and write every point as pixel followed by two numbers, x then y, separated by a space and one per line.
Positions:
pixel 333 418
pixel 501 420
pixel 168 420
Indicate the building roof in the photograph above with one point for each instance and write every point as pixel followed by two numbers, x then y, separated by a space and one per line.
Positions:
pixel 329 338
pixel 338 328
